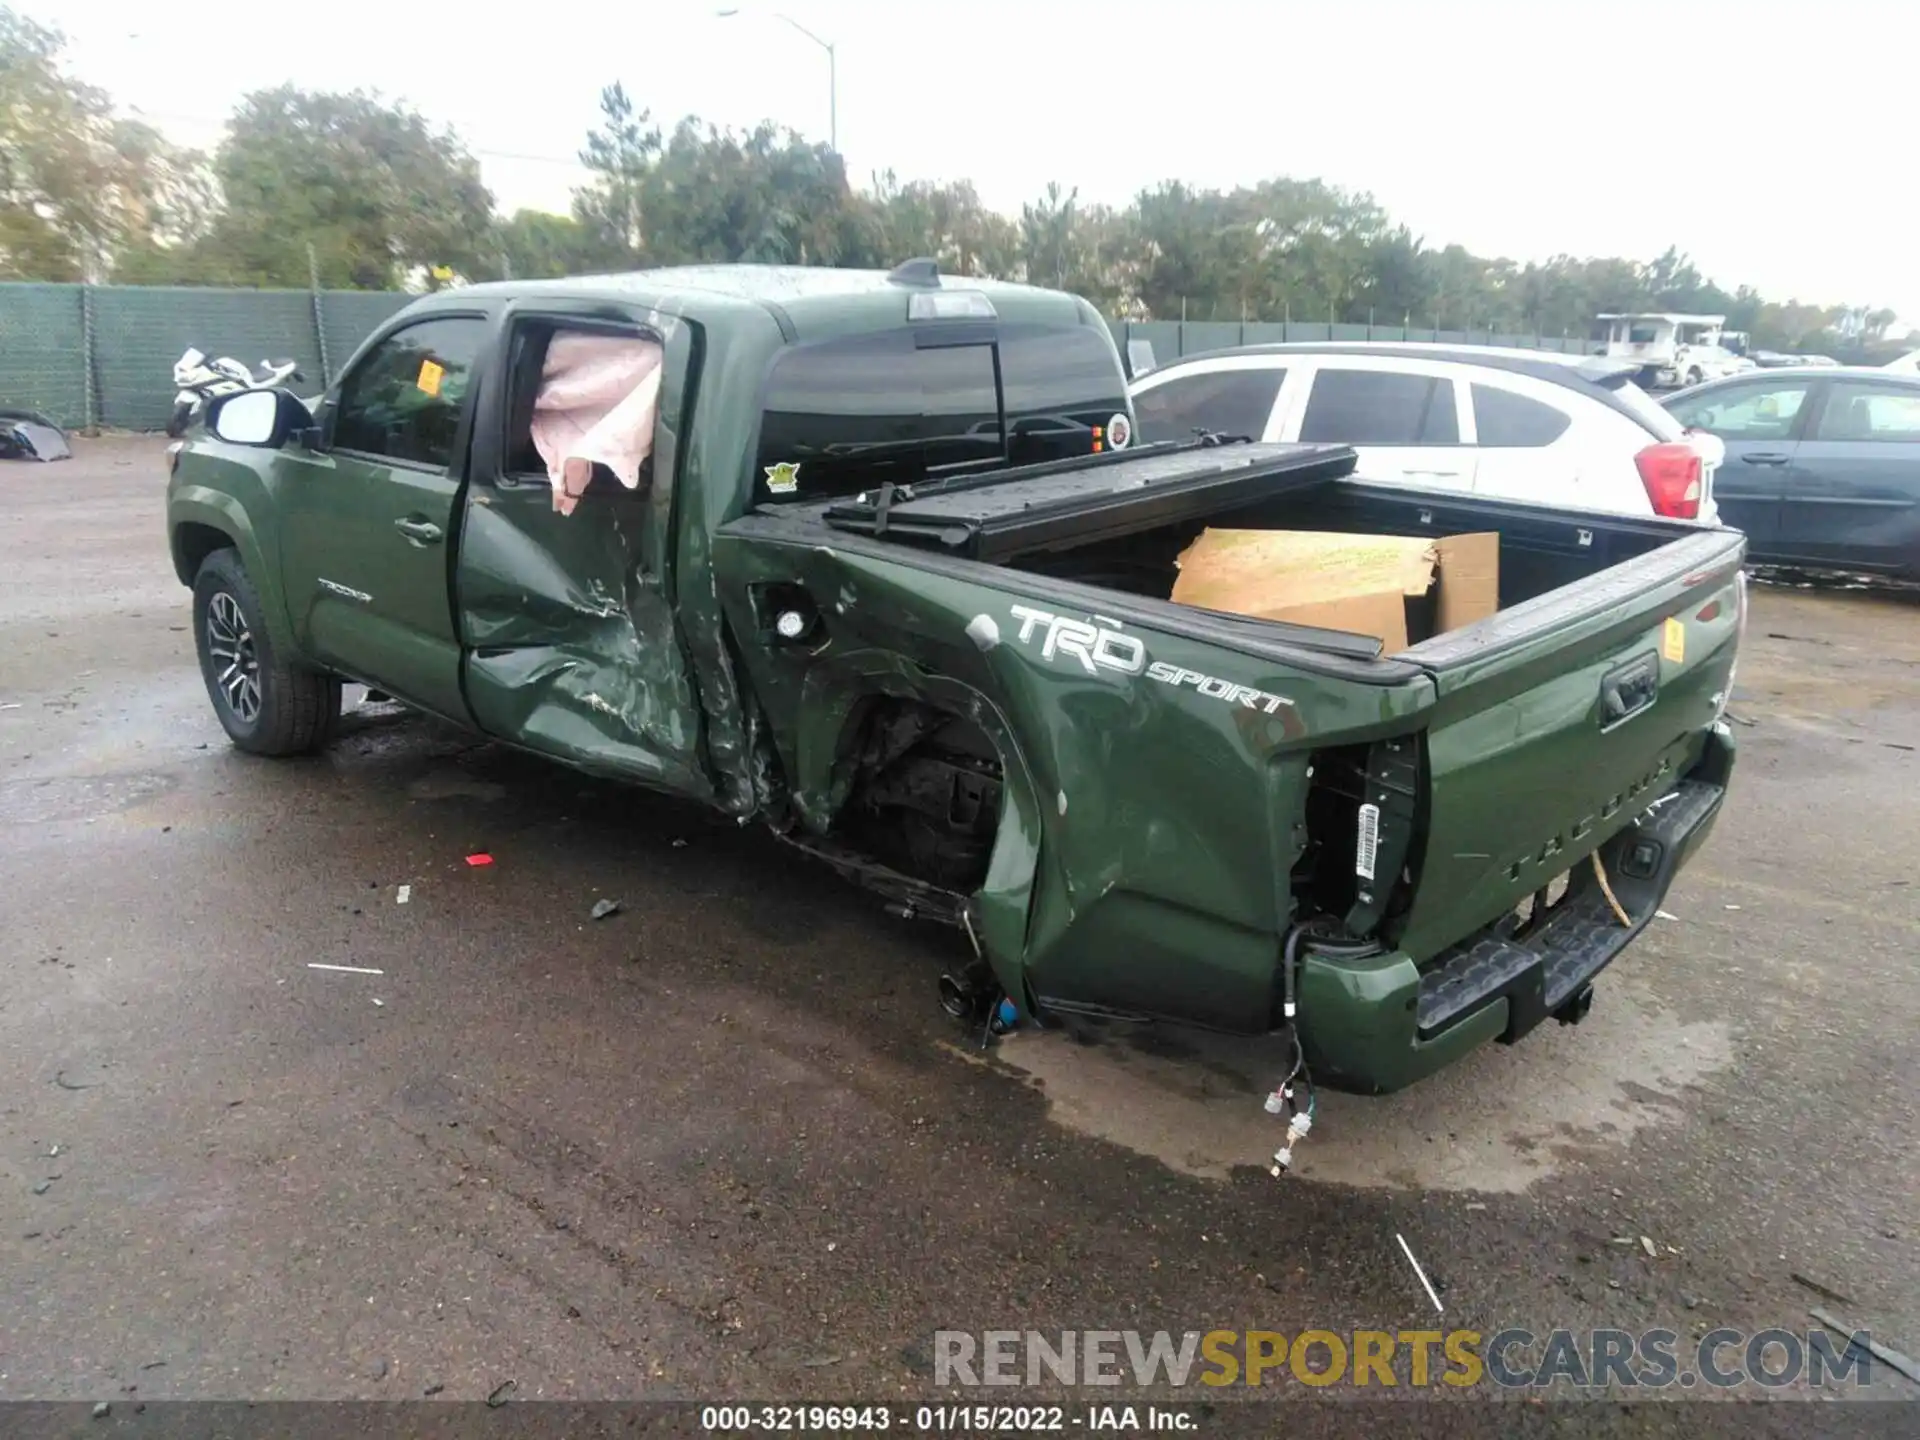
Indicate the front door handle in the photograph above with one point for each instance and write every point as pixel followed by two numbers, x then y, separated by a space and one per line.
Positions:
pixel 1764 457
pixel 420 532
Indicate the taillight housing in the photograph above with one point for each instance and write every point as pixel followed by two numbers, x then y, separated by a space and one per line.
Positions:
pixel 1674 475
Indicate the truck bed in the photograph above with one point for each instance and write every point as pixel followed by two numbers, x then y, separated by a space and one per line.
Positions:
pixel 1119 521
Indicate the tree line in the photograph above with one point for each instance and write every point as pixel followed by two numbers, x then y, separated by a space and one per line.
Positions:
pixel 351 191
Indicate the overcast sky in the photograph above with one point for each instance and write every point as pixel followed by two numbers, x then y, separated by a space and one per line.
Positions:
pixel 1775 142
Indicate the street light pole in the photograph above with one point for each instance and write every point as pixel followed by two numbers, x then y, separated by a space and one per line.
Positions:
pixel 833 75
pixel 833 101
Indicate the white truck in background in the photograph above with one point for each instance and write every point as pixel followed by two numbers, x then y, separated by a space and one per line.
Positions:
pixel 1673 350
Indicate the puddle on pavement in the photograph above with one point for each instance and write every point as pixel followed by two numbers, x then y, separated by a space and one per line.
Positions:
pixel 79 797
pixel 1501 1120
pixel 454 785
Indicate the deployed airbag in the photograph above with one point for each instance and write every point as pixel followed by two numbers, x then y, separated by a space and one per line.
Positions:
pixel 598 397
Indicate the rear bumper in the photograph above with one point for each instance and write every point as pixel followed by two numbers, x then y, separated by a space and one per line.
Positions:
pixel 1380 1023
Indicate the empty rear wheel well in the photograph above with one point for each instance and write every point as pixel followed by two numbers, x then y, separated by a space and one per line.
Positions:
pixel 924 792
pixel 192 543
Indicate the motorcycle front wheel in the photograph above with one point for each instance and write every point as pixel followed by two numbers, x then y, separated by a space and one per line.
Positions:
pixel 181 418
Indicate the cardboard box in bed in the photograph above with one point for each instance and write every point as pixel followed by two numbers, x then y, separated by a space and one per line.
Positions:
pixel 1387 586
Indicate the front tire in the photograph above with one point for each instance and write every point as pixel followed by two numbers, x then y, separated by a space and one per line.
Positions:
pixel 266 706
pixel 1694 377
pixel 180 419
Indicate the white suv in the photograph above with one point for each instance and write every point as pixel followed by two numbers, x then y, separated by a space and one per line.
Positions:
pixel 1536 426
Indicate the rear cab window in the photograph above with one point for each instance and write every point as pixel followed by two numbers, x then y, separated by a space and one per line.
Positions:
pixel 919 403
pixel 1379 407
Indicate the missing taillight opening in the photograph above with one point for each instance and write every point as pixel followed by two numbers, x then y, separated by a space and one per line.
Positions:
pixel 1364 814
pixel 1672 473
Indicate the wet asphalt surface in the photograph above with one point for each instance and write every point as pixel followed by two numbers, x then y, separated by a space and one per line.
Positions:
pixel 724 1143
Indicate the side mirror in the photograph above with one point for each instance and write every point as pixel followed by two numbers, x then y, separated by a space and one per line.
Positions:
pixel 263 418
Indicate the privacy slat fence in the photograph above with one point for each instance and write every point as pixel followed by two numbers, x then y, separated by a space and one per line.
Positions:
pixel 103 355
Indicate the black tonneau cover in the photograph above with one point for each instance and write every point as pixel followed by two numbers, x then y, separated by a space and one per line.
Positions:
pixel 995 515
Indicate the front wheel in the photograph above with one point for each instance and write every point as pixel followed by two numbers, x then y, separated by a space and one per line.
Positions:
pixel 266 706
pixel 1694 377
pixel 180 419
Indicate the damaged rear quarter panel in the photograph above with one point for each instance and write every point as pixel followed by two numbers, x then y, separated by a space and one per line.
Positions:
pixel 1158 825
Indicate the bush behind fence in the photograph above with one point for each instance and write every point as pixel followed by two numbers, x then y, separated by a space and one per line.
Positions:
pixel 89 355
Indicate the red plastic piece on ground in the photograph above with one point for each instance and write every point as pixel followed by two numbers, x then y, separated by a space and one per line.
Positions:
pixel 479 859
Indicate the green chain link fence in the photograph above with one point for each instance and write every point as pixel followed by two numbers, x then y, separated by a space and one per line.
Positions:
pixel 43 352
pixel 138 334
pixel 88 355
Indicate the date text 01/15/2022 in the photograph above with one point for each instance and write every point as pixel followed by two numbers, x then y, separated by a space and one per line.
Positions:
pixel 943 1419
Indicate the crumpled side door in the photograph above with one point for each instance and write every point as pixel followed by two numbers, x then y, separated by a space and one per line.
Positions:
pixel 568 620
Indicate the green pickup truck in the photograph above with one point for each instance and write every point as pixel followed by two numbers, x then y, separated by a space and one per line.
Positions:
pixel 891 579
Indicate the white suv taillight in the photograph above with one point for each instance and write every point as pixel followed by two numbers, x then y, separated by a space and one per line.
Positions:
pixel 1672 473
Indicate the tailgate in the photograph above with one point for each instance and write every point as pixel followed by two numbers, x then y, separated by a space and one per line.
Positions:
pixel 1559 720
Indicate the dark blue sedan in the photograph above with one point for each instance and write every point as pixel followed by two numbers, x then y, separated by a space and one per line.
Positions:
pixel 1822 467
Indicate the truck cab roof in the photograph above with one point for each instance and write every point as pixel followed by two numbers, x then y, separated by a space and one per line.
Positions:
pixel 807 302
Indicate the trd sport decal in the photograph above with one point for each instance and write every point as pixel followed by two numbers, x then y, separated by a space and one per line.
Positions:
pixel 1105 646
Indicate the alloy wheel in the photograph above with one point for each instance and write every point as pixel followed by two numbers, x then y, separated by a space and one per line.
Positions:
pixel 236 665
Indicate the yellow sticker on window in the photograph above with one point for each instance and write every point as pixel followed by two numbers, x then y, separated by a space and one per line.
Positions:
pixel 1673 641
pixel 429 378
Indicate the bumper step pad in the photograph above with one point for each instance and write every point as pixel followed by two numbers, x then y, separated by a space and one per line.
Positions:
pixel 1540 971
